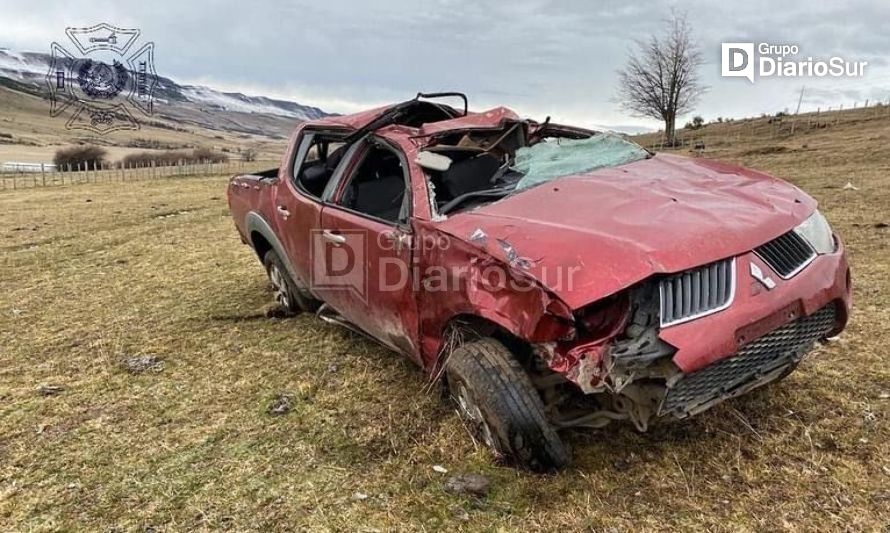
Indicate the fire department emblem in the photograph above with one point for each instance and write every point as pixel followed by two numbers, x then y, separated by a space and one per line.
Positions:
pixel 104 78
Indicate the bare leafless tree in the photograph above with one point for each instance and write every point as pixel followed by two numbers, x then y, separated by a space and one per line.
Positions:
pixel 661 79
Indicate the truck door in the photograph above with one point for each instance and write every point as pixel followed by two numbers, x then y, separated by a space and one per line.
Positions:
pixel 363 247
pixel 298 198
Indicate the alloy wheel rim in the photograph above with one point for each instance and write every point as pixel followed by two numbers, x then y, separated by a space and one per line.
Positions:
pixel 279 286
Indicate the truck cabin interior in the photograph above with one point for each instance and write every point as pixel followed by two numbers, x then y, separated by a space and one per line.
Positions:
pixel 377 187
pixel 483 163
pixel 480 168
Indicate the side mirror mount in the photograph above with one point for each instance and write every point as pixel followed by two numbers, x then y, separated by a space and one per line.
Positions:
pixel 433 161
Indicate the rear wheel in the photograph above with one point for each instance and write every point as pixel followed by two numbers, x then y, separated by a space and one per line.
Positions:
pixel 498 402
pixel 289 295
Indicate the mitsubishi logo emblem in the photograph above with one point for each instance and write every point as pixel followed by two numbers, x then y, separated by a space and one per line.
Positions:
pixel 758 274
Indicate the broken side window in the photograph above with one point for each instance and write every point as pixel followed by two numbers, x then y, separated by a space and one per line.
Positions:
pixel 377 186
pixel 318 155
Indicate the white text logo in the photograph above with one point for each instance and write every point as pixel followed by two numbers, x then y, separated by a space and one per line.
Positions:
pixel 738 60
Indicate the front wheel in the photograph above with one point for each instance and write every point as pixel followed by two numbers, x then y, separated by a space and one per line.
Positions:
pixel 291 297
pixel 496 399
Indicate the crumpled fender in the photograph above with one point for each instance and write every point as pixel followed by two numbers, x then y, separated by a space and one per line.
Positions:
pixel 460 279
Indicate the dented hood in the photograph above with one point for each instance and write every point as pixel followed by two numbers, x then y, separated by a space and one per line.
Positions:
pixel 588 236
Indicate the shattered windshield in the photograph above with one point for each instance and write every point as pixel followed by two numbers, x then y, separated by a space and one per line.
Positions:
pixel 555 158
pixel 470 169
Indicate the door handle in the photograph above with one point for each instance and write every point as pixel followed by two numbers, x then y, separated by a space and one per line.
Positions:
pixel 283 211
pixel 335 238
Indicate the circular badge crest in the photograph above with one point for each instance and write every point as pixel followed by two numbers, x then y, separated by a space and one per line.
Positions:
pixel 100 80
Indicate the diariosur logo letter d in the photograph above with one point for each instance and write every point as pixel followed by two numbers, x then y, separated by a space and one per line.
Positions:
pixel 737 60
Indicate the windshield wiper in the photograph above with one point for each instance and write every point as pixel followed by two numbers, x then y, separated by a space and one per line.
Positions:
pixel 451 205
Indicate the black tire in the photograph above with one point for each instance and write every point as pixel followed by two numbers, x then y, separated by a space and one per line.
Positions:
pixel 501 406
pixel 292 298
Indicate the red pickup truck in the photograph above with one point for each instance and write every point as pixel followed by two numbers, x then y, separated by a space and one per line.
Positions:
pixel 552 276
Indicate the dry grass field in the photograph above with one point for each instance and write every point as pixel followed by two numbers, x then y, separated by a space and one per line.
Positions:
pixel 139 303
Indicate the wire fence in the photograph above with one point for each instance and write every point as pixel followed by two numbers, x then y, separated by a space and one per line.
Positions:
pixel 47 176
pixel 777 127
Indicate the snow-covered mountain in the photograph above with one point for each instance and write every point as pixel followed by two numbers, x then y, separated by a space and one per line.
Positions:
pixel 21 66
pixel 249 104
pixel 171 99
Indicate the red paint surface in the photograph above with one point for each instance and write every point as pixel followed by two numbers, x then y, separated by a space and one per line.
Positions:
pixel 621 225
pixel 711 338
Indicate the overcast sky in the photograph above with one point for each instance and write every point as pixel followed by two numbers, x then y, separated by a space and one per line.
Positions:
pixel 541 57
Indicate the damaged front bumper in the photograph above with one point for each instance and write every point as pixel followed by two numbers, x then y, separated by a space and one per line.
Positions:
pixel 686 368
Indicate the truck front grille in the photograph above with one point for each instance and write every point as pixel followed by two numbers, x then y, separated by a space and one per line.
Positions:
pixel 787 254
pixel 777 349
pixel 697 292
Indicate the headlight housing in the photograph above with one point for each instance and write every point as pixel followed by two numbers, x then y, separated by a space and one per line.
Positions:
pixel 817 232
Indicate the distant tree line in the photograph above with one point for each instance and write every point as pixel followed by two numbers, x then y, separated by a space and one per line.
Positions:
pixel 75 156
pixel 174 157
pixel 89 156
